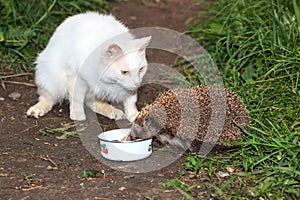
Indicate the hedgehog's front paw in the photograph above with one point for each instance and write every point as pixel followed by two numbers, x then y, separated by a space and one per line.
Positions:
pixel 131 117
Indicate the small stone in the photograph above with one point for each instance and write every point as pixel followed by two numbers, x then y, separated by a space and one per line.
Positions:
pixel 2 98
pixel 221 174
pixel 129 177
pixel 133 17
pixel 24 116
pixel 3 175
pixel 21 160
pixel 49 167
pixel 251 193
pixel 230 169
pixel 14 96
pixel 122 188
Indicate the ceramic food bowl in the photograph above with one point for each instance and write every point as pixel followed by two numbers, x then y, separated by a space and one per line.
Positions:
pixel 113 149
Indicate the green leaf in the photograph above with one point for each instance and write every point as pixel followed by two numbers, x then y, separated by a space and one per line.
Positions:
pixel 192 160
pixel 28 34
pixel 92 173
pixel 217 28
pixel 291 182
pixel 249 74
pixel 1 37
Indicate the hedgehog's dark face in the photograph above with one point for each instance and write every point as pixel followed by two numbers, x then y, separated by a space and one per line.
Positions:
pixel 145 126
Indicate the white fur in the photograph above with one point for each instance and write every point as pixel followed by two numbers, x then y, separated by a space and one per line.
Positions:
pixel 85 59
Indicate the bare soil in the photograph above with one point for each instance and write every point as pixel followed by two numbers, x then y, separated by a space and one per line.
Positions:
pixel 36 166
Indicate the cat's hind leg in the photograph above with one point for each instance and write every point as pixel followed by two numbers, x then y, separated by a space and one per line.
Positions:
pixel 50 85
pixel 105 109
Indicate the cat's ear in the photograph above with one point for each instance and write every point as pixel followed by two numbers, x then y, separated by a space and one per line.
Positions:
pixel 113 51
pixel 143 42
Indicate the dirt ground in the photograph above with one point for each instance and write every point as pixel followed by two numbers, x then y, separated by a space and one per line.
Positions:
pixel 36 166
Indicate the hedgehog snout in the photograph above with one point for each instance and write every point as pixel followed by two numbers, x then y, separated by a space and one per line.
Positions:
pixel 137 132
pixel 145 130
pixel 132 133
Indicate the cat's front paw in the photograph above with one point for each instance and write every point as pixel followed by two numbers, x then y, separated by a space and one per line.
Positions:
pixel 117 114
pixel 77 116
pixel 35 111
pixel 39 109
pixel 131 117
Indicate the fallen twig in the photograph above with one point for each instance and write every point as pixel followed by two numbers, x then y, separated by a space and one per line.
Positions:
pixel 100 198
pixel 29 128
pixel 32 188
pixel 20 83
pixel 15 75
pixel 47 158
pixel 100 179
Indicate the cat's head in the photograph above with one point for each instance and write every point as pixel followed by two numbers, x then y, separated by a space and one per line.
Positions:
pixel 127 62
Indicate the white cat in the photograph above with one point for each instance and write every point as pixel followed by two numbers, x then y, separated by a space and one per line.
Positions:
pixel 91 55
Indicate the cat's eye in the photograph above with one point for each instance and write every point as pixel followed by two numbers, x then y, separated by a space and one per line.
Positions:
pixel 142 69
pixel 124 73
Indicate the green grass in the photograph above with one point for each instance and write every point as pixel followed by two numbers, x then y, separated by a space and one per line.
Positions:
pixel 180 186
pixel 65 131
pixel 26 26
pixel 28 177
pixel 256 45
pixel 154 197
pixel 92 173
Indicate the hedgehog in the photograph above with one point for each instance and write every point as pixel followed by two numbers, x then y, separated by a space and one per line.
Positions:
pixel 189 117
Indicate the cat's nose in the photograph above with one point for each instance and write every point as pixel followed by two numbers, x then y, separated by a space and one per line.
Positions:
pixel 137 84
